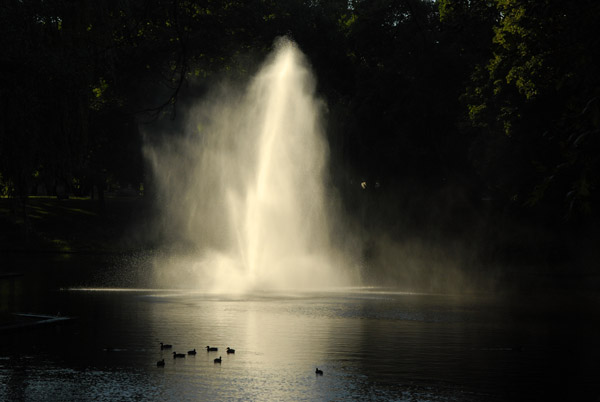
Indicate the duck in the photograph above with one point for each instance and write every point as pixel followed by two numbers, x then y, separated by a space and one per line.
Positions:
pixel 176 355
pixel 218 359
pixel 160 363
pixel 165 346
pixel 319 372
pixel 192 352
pixel 229 350
pixel 211 349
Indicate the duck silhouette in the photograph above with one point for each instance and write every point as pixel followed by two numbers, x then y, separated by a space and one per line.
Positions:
pixel 218 359
pixel 229 350
pixel 192 352
pixel 160 363
pixel 165 346
pixel 319 372
pixel 176 355
pixel 211 349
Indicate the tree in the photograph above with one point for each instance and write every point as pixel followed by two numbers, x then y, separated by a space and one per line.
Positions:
pixel 538 92
pixel 73 70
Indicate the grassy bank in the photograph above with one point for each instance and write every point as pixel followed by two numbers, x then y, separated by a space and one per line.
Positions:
pixel 74 225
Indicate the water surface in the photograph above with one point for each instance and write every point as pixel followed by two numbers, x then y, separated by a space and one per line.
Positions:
pixel 372 344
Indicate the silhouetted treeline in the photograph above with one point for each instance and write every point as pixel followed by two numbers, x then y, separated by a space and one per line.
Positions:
pixel 442 115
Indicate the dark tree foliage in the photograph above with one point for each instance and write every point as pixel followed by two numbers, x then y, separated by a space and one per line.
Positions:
pixel 535 101
pixel 398 132
pixel 77 76
pixel 442 110
pixel 43 94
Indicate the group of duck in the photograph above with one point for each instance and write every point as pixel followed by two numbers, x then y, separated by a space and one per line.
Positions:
pixel 163 346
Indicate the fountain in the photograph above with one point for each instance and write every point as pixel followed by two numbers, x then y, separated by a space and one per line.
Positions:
pixel 245 189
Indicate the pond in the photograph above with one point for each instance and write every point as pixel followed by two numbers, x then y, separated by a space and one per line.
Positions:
pixel 371 343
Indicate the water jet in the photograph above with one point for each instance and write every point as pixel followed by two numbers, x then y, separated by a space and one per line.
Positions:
pixel 246 188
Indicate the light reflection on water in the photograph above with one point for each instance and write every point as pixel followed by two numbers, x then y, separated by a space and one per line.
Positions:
pixel 372 345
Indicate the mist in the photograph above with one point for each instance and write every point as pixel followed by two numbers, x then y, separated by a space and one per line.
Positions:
pixel 243 193
pixel 247 202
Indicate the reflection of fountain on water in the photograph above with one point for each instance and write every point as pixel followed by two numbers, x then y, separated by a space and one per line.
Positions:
pixel 246 187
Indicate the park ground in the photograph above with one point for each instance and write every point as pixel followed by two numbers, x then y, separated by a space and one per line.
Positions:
pixel 73 225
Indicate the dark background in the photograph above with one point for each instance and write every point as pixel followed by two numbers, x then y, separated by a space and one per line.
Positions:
pixel 474 125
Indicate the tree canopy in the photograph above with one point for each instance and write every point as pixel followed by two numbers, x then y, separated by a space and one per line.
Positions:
pixel 494 102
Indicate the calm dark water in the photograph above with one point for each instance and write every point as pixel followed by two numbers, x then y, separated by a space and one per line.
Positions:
pixel 372 344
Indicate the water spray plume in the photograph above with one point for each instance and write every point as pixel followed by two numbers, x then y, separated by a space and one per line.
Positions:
pixel 247 188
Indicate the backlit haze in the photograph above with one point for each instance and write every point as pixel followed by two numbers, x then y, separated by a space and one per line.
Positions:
pixel 244 195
